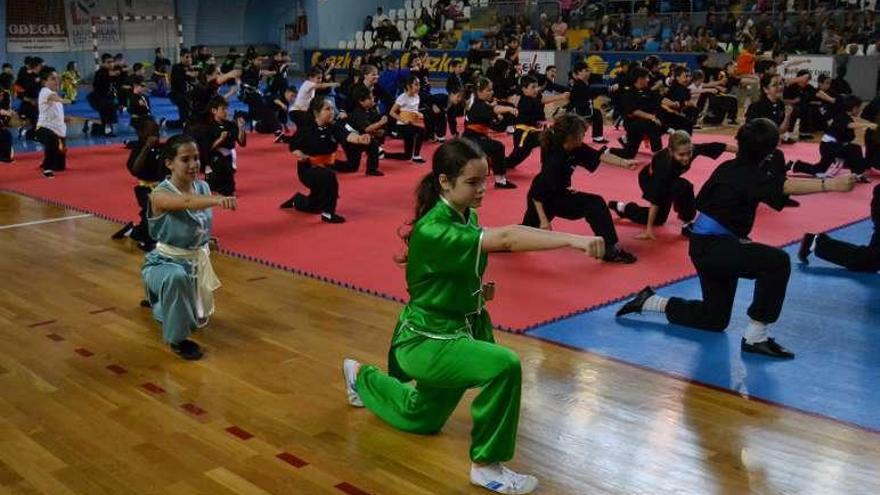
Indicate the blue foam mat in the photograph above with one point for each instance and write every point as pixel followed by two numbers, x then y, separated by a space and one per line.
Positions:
pixel 831 319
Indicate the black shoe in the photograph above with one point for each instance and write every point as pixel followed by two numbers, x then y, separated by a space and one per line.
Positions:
pixel 333 218
pixel 146 246
pixel 418 159
pixel 863 179
pixel 600 140
pixel 505 185
pixel 619 256
pixel 278 137
pixel 146 304
pixel 790 203
pixel 375 173
pixel 612 205
pixel 124 231
pixel 48 174
pixel 732 122
pixel 636 304
pixel 768 347
pixel 804 251
pixel 804 137
pixel 187 349
pixel 288 204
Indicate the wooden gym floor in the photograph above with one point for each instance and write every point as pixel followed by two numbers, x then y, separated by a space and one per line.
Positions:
pixel 92 403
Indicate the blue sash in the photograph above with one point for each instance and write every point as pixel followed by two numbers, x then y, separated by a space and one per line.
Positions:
pixel 706 225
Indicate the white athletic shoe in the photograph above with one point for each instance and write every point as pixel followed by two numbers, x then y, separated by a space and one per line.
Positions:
pixel 503 481
pixel 349 371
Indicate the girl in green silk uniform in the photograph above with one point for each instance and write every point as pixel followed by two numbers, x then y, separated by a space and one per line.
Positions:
pixel 443 340
pixel 177 274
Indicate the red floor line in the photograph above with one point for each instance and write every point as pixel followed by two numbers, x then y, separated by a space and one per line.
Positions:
pixel 256 279
pixel 193 409
pixel 84 352
pixel 41 323
pixel 292 459
pixel 350 489
pixel 115 368
pixel 238 432
pixel 104 310
pixel 153 388
pixel 55 337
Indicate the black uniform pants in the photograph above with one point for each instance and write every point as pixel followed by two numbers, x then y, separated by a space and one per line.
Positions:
pixel 413 136
pixel 636 131
pixel 722 107
pixel 720 263
pixel 522 148
pixel 850 154
pixel 435 122
pixel 493 149
pixel 6 152
pixel 105 105
pixel 850 256
pixel 597 121
pixel 574 205
pixel 184 110
pixel 141 231
pixel 323 189
pixel 679 122
pixel 680 197
pixel 30 112
pixel 872 148
pixel 222 175
pixel 354 152
pixel 54 150
pixel 452 115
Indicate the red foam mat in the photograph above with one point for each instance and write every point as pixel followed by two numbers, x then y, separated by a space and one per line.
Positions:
pixel 533 288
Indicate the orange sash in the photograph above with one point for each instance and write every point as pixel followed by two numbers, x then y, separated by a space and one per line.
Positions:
pixel 478 128
pixel 323 160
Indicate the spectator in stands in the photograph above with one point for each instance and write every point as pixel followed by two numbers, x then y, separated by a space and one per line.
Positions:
pixel 379 18
pixel 387 31
pixel 560 28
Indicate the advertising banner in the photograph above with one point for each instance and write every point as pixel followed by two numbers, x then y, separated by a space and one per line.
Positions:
pixel 36 26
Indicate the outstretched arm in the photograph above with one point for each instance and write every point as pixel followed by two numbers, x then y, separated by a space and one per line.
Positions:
pixel 519 238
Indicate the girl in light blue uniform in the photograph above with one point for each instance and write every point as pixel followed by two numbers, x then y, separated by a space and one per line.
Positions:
pixel 178 275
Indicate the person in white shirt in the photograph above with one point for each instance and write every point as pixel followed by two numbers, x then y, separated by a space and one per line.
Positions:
pixel 51 129
pixel 306 93
pixel 379 18
pixel 410 122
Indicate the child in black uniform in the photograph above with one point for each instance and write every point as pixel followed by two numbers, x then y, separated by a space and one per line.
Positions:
pixel 480 118
pixel 223 134
pixel 145 163
pixel 562 150
pixel 7 154
pixel 770 106
pixel 664 187
pixel 720 248
pixel 530 110
pixel 314 145
pixel 365 120
pixel 455 88
pixel 837 147
pixel 581 101
pixel 678 110
pixel 871 113
pixel 639 109
pixel 852 257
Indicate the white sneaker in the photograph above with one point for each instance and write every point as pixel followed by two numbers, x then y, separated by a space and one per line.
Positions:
pixel 499 479
pixel 349 372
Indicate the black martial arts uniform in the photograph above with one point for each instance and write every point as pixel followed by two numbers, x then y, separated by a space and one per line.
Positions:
pixel 724 254
pixel 663 186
